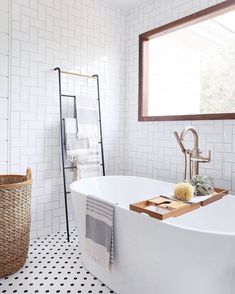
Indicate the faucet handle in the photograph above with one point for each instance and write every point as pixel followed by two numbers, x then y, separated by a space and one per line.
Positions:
pixel 209 156
pixel 206 159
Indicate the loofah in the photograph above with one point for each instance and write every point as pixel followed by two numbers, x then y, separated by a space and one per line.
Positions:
pixel 184 191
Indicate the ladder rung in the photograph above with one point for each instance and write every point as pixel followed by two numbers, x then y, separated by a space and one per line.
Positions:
pixel 68 192
pixel 69 167
pixel 70 96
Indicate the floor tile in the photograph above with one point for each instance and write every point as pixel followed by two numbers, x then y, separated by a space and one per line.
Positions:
pixel 53 266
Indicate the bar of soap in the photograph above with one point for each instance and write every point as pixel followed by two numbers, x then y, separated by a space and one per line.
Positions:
pixel 177 204
pixel 184 191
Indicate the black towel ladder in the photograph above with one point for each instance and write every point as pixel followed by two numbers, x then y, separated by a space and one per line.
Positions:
pixel 62 139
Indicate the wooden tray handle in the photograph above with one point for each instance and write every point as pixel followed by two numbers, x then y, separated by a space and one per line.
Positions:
pixel 29 174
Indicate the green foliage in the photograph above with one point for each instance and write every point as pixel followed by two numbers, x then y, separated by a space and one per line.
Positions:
pixel 202 185
pixel 218 80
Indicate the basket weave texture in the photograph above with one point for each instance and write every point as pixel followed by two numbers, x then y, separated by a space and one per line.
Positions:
pixel 15 219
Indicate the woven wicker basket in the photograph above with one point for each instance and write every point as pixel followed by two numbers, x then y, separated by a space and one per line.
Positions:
pixel 15 219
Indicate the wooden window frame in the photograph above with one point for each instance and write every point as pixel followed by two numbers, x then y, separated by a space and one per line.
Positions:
pixel 143 63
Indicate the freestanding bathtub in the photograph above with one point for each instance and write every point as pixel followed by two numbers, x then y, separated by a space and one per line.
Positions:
pixel 190 254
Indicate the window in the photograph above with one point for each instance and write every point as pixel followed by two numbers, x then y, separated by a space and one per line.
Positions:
pixel 187 68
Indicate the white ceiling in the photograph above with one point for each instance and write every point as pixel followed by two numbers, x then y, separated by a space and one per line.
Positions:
pixel 125 3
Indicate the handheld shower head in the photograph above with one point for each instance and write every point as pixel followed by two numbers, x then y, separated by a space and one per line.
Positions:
pixel 179 142
pixel 184 151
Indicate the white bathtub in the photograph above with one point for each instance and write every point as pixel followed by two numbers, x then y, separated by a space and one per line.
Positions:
pixel 190 254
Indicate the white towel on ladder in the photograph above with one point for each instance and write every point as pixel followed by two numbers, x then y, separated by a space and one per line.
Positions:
pixel 88 125
pixel 83 150
pixel 77 147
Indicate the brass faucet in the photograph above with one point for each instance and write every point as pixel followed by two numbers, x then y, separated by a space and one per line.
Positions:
pixel 194 154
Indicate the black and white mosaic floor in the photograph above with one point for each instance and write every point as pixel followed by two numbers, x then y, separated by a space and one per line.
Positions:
pixel 53 266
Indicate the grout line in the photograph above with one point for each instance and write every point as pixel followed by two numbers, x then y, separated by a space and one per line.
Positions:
pixel 9 83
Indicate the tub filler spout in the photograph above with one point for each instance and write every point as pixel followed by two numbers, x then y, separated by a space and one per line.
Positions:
pixel 194 154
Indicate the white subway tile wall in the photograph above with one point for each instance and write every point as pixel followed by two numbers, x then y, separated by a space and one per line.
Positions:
pixel 151 148
pixel 4 86
pixel 90 36
pixel 86 36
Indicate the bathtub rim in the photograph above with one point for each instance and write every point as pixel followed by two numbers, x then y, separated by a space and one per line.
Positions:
pixel 167 221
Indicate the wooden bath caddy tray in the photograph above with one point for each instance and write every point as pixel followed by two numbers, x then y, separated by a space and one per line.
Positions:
pixel 162 207
pixel 217 195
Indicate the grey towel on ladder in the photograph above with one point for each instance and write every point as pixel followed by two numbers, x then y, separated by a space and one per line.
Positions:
pixel 99 230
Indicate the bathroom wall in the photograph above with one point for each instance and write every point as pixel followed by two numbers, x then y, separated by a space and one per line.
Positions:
pixel 87 36
pixel 4 85
pixel 151 147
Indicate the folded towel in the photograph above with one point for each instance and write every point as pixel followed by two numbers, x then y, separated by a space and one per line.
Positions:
pixel 87 118
pixel 77 147
pixel 86 114
pixel 88 170
pixel 82 137
pixel 99 230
